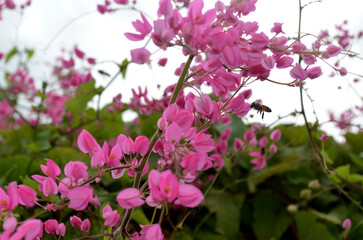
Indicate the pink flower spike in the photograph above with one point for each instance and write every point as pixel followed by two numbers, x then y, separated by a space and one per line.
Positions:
pixel 347 223
pixel 140 56
pixel 129 198
pixel 87 143
pixel 189 196
pixel 110 216
pixel 324 137
pixel 51 170
pixel 151 232
pixel 27 196
pixel 79 197
pixel 141 145
pixel 275 135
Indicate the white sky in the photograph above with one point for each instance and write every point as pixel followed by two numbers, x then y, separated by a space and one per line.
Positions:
pixel 101 36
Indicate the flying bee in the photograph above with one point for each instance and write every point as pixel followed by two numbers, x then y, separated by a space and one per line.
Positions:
pixel 260 108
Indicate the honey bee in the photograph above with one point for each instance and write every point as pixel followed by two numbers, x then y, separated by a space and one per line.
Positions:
pixel 260 108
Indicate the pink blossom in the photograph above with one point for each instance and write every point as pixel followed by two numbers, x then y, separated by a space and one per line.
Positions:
pixel 151 232
pixel 196 162
pixel 141 145
pixel 173 133
pixel 275 135
pixel 298 72
pixel 324 137
pixel 170 112
pixel 217 159
pixel 343 71
pixel 27 196
pixel 259 40
pixel 184 119
pixel 48 186
pixel 82 225
pixel 248 135
pixel 268 62
pixel 273 148
pixel 9 226
pixel 79 197
pixel 110 216
pixel 76 171
pixel 346 223
pixel 52 227
pixel 30 229
pixel 79 53
pixel 135 167
pixel 202 142
pixel 277 28
pixel 314 72
pixel 259 160
pixel 162 62
pixel 86 225
pixel 189 196
pixel 163 186
pixel 283 62
pixel 10 200
pixel 87 143
pixel 91 60
pixel 298 47
pixel 263 142
pixel 130 198
pixel 140 55
pixel 125 142
pixel 332 51
pixel 143 27
pixel 238 144
pixel 51 169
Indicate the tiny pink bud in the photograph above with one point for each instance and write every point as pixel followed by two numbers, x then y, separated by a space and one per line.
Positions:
pixel 324 137
pixel 347 223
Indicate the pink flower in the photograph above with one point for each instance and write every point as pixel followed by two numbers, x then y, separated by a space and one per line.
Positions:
pixel 162 62
pixel 332 51
pixel 189 196
pixel 30 229
pixel 79 53
pixel 173 133
pixel 79 197
pixel 163 186
pixel 238 144
pixel 141 145
pixel 48 186
pixel 110 216
pixel 346 223
pixel 275 135
pixel 259 160
pixel 144 28
pixel 82 225
pixel 76 171
pixel 52 227
pixel 9 201
pixel 130 198
pixel 125 143
pixel 263 142
pixel 27 196
pixel 87 143
pixel 314 72
pixel 277 28
pixel 140 55
pixel 51 170
pixel 298 72
pixel 202 142
pixel 324 137
pixel 151 232
pixel 196 162
pixel 273 148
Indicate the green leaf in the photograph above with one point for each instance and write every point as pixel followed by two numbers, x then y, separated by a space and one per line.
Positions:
pixel 148 124
pixel 227 208
pixel 11 54
pixel 15 166
pixel 30 53
pixel 39 146
pixel 139 216
pixel 327 158
pixel 333 218
pixel 354 141
pixel 309 228
pixel 123 67
pixel 78 104
pixel 343 171
pixel 182 236
pixel 270 217
pixel 356 232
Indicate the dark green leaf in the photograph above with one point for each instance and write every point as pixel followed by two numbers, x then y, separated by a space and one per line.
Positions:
pixel 11 54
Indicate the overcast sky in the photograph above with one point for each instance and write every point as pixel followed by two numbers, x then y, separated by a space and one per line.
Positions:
pixel 101 36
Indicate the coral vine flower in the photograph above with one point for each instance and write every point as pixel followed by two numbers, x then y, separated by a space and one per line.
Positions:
pixel 163 186
pixel 87 143
pixel 9 201
pixel 259 160
pixel 30 229
pixel 82 225
pixel 52 227
pixel 189 196
pixel 143 27
pixel 129 198
pixel 51 169
pixel 140 55
pixel 110 216
pixel 79 197
pixel 151 232
pixel 27 195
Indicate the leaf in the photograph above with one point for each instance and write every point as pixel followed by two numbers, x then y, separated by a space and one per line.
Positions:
pixel 29 53
pixel 343 171
pixel 326 216
pixel 354 141
pixel 11 54
pixel 309 229
pixel 39 146
pixel 356 232
pixel 327 158
pixel 139 216
pixel 15 166
pixel 123 67
pixel 78 104
pixel 271 219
